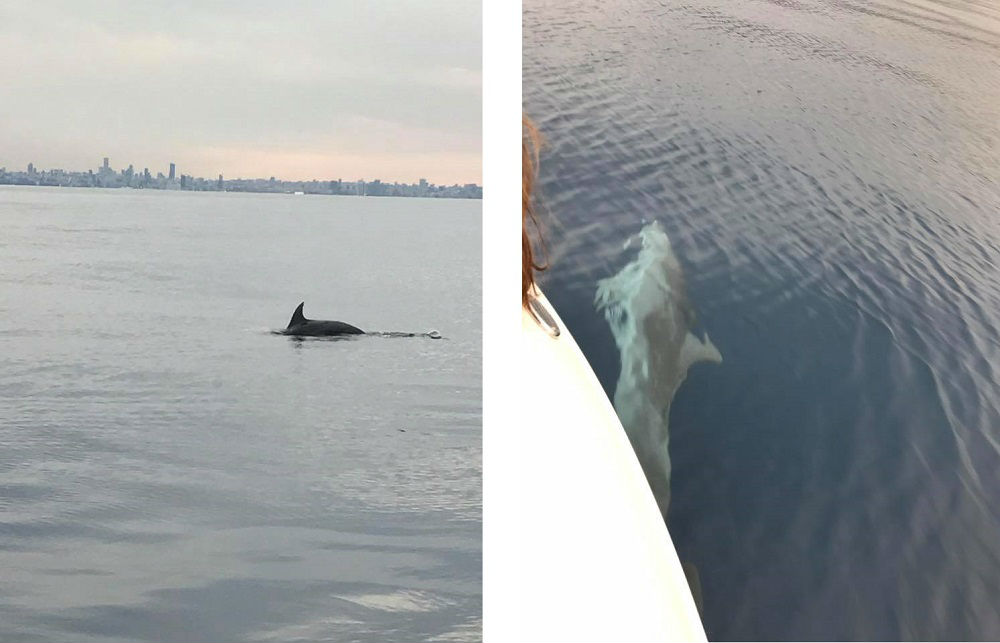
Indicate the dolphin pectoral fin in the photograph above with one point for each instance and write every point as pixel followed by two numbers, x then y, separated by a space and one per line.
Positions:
pixel 297 316
pixel 696 350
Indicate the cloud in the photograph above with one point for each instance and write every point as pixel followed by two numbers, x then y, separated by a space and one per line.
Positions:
pixel 328 81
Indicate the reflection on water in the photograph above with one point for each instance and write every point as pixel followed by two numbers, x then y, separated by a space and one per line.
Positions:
pixel 828 174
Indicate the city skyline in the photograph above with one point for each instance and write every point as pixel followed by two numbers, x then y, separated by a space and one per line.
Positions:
pixel 172 172
pixel 12 163
pixel 107 176
pixel 368 89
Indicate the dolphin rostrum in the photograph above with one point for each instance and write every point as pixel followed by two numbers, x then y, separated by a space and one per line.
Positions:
pixel 302 327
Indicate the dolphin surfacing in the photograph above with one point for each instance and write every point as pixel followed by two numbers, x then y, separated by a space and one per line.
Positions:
pixel 299 326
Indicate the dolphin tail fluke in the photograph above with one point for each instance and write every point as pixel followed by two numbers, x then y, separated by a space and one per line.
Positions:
pixel 297 316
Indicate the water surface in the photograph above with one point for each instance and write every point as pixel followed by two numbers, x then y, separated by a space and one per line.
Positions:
pixel 828 175
pixel 170 470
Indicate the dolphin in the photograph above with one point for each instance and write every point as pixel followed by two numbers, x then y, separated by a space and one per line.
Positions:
pixel 651 318
pixel 302 327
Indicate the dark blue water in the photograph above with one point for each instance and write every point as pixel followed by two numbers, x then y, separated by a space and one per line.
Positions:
pixel 828 174
pixel 170 470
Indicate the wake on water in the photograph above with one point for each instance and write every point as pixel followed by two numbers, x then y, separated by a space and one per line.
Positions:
pixel 433 334
pixel 651 319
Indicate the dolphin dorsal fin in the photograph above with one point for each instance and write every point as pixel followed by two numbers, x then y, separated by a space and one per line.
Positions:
pixel 297 316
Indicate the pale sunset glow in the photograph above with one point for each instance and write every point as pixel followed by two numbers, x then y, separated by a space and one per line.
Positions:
pixel 312 90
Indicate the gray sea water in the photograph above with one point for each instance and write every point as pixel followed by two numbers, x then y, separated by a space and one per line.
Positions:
pixel 811 188
pixel 172 471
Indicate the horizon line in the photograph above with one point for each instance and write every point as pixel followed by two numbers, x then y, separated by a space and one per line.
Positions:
pixel 30 166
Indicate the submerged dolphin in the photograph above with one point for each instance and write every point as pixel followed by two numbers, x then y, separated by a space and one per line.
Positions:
pixel 302 327
pixel 651 319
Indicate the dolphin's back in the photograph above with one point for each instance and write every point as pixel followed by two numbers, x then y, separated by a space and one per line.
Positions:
pixel 322 328
pixel 299 325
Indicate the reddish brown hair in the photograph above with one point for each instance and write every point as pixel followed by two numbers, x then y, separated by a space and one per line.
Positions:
pixel 531 141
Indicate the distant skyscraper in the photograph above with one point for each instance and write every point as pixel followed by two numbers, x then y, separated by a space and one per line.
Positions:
pixel 106 167
pixel 220 181
pixel 31 168
pixel 173 171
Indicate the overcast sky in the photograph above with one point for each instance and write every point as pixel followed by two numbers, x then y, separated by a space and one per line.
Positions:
pixel 303 89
